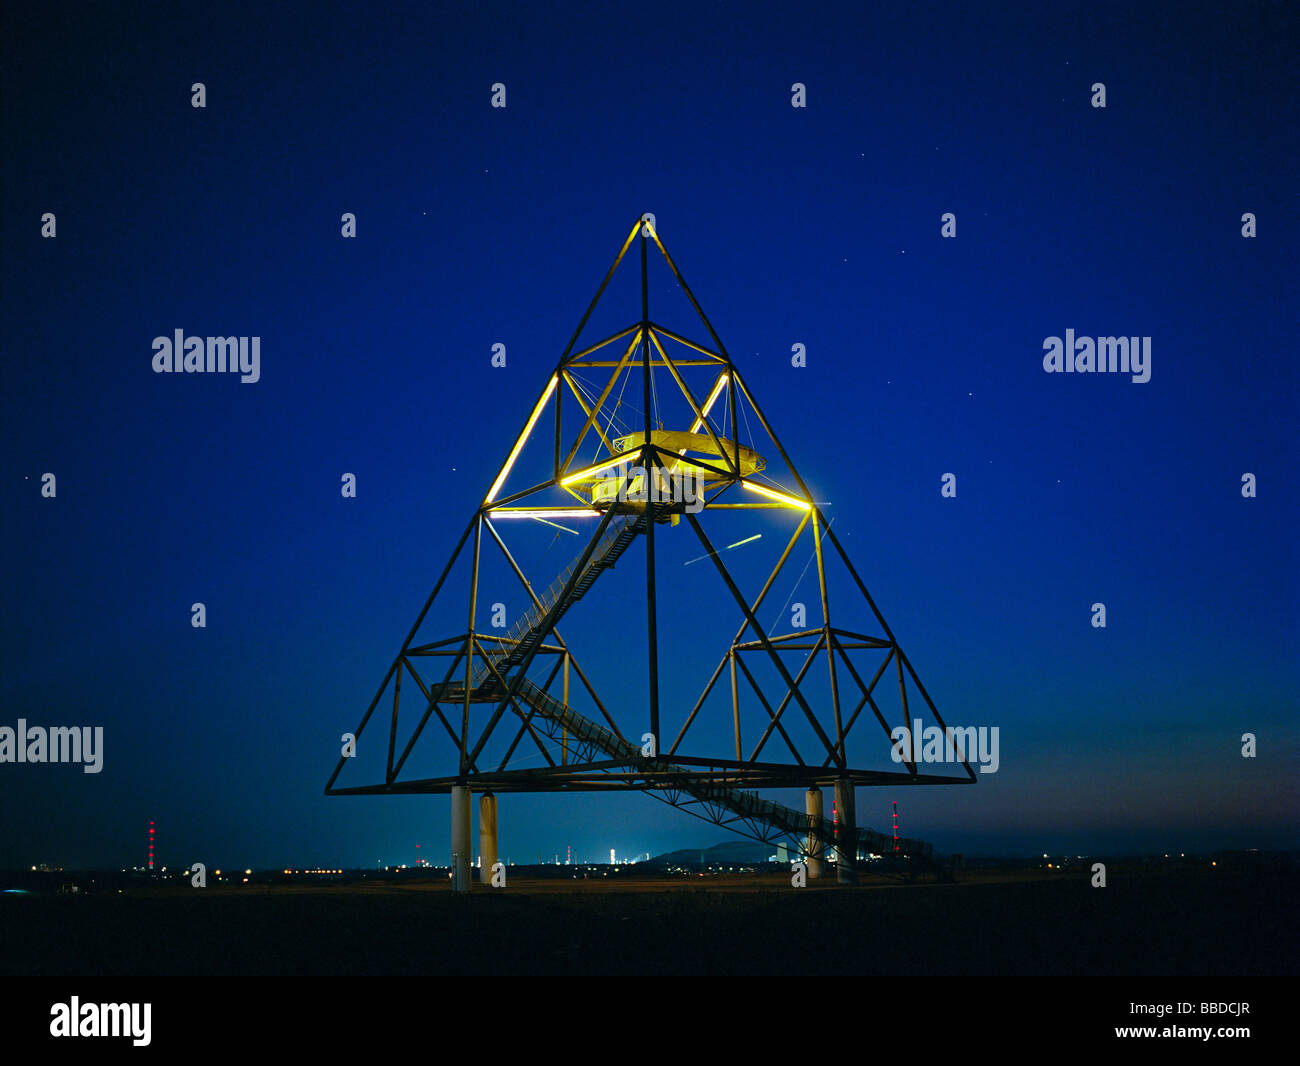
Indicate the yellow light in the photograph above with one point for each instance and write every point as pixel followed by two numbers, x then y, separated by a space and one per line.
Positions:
pixel 613 461
pixel 558 512
pixel 519 444
pixel 713 398
pixel 708 405
pixel 790 500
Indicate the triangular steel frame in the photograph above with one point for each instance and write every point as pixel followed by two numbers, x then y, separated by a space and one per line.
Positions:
pixel 488 668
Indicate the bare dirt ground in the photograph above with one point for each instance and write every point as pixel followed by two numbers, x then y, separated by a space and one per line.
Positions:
pixel 1145 922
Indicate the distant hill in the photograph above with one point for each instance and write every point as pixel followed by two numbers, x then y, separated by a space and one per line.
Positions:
pixel 728 853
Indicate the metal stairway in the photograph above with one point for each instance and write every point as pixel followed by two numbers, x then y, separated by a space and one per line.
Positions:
pixel 527 631
pixel 750 806
pixel 763 818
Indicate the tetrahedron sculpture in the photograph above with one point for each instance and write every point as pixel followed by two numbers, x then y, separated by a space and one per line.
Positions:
pixel 642 442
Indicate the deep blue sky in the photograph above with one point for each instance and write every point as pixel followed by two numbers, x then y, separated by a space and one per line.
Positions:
pixel 478 225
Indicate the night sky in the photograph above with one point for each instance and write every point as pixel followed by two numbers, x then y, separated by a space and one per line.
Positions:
pixel 478 225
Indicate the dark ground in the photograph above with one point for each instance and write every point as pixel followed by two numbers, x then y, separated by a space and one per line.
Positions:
pixel 1146 922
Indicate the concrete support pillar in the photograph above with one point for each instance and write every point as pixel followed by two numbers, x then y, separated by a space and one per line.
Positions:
pixel 813 805
pixel 846 840
pixel 487 836
pixel 461 858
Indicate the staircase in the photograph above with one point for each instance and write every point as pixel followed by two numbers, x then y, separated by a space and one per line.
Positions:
pixel 528 630
pixel 740 802
pixel 527 633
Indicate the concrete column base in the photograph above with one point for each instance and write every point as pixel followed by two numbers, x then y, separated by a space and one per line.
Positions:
pixel 846 841
pixel 813 806
pixel 462 860
pixel 487 837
